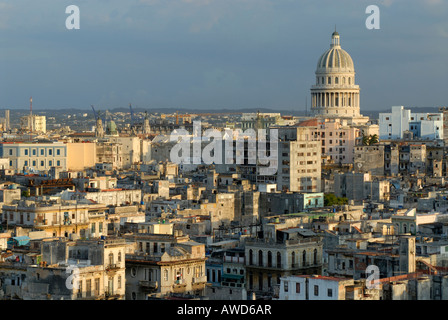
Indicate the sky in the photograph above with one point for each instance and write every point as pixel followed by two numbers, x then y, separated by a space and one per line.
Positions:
pixel 216 54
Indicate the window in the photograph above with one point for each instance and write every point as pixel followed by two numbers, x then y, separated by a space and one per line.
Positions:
pixel 100 227
pixel 50 163
pixel 279 260
pixel 42 152
pixel 297 287
pixel 119 282
pixel 58 152
pixel 58 163
pixel 10 152
pixel 26 152
pixel 80 289
pixel 42 163
pixel 97 286
pixel 316 290
pixel 34 163
pixel 286 286
pixel 26 163
pixel 34 152
pixel 330 292
pixel 88 288
pixel 50 152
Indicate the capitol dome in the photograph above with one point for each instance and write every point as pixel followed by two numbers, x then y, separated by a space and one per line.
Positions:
pixel 335 93
pixel 335 57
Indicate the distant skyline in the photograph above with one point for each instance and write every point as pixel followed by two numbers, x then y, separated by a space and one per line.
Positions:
pixel 217 54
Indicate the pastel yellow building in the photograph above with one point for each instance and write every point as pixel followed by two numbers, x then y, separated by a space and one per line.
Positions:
pixel 80 155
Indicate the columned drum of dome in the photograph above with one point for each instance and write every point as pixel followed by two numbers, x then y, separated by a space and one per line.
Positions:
pixel 335 93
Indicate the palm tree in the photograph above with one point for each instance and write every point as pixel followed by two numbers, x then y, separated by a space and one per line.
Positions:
pixel 365 140
pixel 373 139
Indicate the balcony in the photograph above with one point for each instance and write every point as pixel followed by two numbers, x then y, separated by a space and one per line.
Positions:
pixel 112 267
pixel 152 285
pixel 199 280
pixel 234 259
pixel 179 286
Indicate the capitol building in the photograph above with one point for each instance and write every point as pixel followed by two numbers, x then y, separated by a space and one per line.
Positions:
pixel 335 93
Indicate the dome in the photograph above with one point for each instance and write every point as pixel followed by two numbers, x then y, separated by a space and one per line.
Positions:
pixel 335 58
pixel 111 127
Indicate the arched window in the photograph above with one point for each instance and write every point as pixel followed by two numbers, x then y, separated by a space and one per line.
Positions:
pixel 251 257
pixel 315 257
pixel 349 80
pixel 329 80
pixel 336 80
pixel 260 258
pixel 279 260
pixel 304 257
pixel 343 80
pixel 269 259
pixel 111 258
pixel 119 256
pixel 293 259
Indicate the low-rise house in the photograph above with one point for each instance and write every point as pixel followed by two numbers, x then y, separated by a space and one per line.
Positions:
pixel 313 287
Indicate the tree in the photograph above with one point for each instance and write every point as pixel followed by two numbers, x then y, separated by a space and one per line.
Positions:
pixel 330 200
pixel 370 140
pixel 373 139
pixel 365 140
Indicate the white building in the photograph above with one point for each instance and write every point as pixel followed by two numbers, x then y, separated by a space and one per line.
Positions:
pixel 313 287
pixel 395 124
pixel 34 123
pixel 34 156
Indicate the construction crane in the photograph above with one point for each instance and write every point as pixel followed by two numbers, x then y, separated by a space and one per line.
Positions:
pixel 94 113
pixel 177 116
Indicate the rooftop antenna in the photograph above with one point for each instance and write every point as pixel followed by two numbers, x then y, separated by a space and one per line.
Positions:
pixel 31 117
